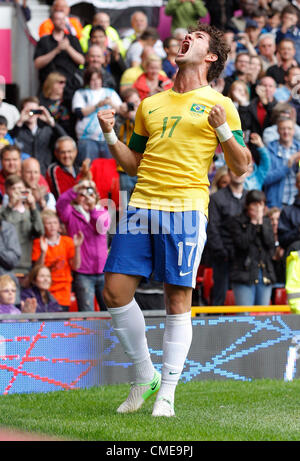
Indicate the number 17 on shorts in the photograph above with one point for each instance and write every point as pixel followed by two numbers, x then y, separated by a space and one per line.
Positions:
pixel 189 244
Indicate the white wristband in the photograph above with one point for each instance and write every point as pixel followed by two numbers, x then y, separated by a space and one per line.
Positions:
pixel 110 137
pixel 224 132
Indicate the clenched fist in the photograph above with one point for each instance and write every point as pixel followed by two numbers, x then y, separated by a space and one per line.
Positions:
pixel 217 116
pixel 106 119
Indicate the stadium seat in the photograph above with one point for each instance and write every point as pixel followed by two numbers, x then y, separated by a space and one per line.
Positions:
pixel 96 305
pixel 229 299
pixel 280 296
pixel 205 280
pixel 208 283
pixel 73 305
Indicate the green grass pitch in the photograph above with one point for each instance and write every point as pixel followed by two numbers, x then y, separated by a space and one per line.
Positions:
pixel 260 410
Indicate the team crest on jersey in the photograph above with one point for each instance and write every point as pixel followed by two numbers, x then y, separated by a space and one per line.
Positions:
pixel 197 109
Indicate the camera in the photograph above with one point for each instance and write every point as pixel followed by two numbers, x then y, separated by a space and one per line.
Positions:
pixel 35 112
pixel 90 190
pixel 130 106
pixel 24 195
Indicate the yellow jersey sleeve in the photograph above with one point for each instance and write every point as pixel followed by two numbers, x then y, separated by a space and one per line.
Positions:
pixel 233 120
pixel 140 134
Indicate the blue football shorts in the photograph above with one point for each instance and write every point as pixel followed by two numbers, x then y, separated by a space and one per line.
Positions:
pixel 166 244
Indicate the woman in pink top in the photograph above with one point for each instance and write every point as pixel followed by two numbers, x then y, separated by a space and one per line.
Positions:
pixel 80 210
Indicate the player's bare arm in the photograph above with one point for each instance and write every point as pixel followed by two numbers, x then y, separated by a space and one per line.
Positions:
pixel 127 158
pixel 237 157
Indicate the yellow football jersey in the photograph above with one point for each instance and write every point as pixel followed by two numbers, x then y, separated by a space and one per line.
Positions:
pixel 178 145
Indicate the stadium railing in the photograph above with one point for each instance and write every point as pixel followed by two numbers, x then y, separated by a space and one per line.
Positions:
pixel 284 309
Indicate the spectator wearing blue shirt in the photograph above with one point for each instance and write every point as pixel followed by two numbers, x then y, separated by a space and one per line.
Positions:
pixel 281 109
pixel 169 65
pixel 292 79
pixel 248 40
pixel 289 28
pixel 279 185
pixel 257 172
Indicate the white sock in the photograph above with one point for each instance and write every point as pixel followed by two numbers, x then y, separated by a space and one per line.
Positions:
pixel 129 325
pixel 176 344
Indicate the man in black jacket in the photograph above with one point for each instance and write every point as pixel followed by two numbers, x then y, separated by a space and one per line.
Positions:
pixel 62 53
pixel 224 204
pixel 257 115
pixel 36 133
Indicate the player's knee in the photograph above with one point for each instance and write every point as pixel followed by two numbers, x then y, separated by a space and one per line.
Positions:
pixel 107 296
pixel 111 297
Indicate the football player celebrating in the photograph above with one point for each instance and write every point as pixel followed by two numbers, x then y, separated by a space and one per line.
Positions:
pixel 175 137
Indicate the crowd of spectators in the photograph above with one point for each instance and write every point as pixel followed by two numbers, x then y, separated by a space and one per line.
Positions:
pixel 57 171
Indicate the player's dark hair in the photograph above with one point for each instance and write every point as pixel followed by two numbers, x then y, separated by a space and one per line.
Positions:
pixel 217 45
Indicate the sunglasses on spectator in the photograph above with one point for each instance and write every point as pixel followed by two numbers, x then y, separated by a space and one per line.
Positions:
pixel 61 82
pixel 8 290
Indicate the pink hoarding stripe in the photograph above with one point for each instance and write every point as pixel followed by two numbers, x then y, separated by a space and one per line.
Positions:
pixel 5 53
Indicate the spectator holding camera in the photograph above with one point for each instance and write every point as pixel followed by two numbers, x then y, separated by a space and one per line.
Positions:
pixel 21 211
pixel 79 209
pixel 36 132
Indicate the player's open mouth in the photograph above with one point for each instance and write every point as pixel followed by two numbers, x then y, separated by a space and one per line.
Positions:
pixel 185 46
